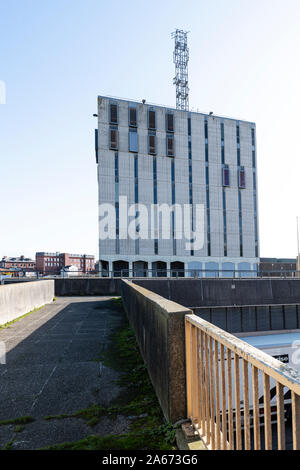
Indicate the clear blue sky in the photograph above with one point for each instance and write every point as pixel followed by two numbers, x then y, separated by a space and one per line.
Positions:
pixel 57 56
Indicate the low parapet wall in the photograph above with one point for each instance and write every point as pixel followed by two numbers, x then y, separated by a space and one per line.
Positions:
pixel 18 299
pixel 159 327
pixel 87 286
pixel 225 292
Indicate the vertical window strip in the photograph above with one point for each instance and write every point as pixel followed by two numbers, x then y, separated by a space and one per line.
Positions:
pixel 207 187
pixel 136 200
pixel 239 191
pixel 117 202
pixel 190 163
pixel 224 192
pixel 155 200
pixel 173 203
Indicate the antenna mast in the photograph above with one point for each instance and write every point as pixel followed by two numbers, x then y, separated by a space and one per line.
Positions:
pixel 181 60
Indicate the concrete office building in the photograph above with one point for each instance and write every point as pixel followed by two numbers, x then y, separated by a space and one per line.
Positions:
pixel 155 155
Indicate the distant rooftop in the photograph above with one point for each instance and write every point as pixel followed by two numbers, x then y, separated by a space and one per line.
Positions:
pixel 278 260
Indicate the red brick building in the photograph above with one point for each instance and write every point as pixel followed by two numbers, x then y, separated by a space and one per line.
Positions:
pixel 19 262
pixel 52 263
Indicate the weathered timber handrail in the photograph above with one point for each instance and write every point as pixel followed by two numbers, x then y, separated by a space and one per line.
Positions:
pixel 213 368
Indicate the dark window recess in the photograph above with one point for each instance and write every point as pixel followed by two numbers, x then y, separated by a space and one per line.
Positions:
pixel 96 144
pixel 206 129
pixel 113 139
pixel 133 141
pixel 114 113
pixel 242 178
pixel 132 117
pixel 226 178
pixel 152 144
pixel 170 122
pixel 151 120
pixel 170 146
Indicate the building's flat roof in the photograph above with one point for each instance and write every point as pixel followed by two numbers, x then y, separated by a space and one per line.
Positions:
pixel 269 341
pixel 278 260
pixel 192 111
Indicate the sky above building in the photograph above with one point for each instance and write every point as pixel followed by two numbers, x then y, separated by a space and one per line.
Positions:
pixel 57 56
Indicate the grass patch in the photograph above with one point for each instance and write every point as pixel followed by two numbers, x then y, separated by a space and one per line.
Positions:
pixel 21 420
pixel 8 445
pixel 8 324
pixel 148 429
pixel 19 428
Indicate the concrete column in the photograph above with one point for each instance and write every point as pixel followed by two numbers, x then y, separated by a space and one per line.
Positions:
pixel 130 265
pixel 186 267
pixel 168 269
pixel 110 268
pixel 149 267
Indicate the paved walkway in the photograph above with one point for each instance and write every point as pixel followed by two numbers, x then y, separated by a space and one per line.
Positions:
pixel 51 369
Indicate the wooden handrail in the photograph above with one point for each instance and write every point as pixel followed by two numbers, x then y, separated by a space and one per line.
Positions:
pixel 218 389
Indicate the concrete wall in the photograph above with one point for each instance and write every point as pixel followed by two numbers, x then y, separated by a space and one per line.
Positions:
pixel 18 299
pixel 225 292
pixel 159 328
pixel 87 286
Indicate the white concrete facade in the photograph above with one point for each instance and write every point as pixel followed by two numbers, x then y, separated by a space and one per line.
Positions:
pixel 231 238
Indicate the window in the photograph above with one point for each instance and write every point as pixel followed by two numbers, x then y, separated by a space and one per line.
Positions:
pixel 113 144
pixel 132 117
pixel 113 118
pixel 242 178
pixel 152 144
pixel 226 179
pixel 170 146
pixel 151 119
pixel 133 140
pixel 170 122
pixel 206 129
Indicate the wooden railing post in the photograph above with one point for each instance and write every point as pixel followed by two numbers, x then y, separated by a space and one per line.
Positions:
pixel 237 402
pixel 267 412
pixel 296 420
pixel 246 405
pixel 223 395
pixel 280 417
pixel 188 328
pixel 256 415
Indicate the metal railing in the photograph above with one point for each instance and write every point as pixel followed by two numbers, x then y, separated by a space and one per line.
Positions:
pixel 158 273
pixel 238 396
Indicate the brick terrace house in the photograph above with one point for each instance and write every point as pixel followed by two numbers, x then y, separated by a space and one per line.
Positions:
pixel 18 262
pixel 52 263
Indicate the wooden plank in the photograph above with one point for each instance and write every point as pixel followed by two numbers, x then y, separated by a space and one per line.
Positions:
pixel 217 388
pixel 267 412
pixel 296 420
pixel 198 382
pixel 280 417
pixel 237 402
pixel 206 372
pixel 246 406
pixel 202 387
pixel 188 328
pixel 223 397
pixel 229 395
pixel 212 394
pixel 194 382
pixel 256 415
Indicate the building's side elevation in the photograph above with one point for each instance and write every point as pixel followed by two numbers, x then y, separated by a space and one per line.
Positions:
pixel 155 155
